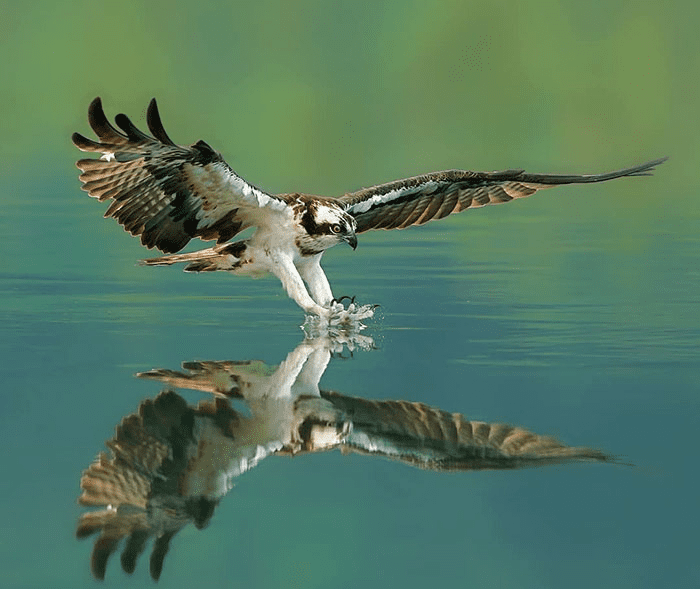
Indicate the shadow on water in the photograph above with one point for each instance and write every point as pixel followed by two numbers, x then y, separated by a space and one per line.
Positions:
pixel 172 462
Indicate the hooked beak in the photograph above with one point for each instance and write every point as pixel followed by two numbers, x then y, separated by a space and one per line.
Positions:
pixel 352 240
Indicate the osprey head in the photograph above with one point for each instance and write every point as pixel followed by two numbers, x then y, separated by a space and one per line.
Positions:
pixel 323 226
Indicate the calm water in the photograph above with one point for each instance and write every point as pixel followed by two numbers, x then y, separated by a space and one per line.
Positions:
pixel 530 314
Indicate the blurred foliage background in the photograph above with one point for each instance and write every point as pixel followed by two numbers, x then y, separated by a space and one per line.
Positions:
pixel 328 96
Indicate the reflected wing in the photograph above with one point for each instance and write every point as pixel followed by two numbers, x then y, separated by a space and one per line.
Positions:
pixel 164 192
pixel 433 439
pixel 417 200
pixel 159 477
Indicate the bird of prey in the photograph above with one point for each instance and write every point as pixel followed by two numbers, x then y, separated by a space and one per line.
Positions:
pixel 171 463
pixel 169 194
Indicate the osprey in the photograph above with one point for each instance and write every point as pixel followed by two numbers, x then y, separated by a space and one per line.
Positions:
pixel 171 463
pixel 169 194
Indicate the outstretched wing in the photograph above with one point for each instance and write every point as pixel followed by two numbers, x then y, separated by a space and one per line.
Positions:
pixel 167 193
pixel 433 439
pixel 417 200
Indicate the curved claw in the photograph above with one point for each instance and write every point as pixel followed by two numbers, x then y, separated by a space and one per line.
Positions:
pixel 341 299
pixel 342 356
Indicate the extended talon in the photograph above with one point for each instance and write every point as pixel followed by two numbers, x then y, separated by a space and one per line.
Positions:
pixel 341 299
pixel 341 355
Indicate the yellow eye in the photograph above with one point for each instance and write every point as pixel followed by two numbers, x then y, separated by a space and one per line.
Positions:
pixel 336 228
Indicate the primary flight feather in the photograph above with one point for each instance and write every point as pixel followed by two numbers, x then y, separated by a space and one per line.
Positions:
pixel 169 194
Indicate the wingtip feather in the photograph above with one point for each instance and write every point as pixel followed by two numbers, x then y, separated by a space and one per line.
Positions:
pixel 155 125
pixel 83 143
pixel 95 105
pixel 100 124
pixel 132 132
pixel 648 168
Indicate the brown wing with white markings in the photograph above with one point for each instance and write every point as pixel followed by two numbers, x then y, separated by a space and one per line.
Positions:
pixel 433 439
pixel 417 200
pixel 164 192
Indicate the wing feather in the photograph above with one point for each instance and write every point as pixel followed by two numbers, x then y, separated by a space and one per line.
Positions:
pixel 163 192
pixel 155 125
pixel 433 439
pixel 417 200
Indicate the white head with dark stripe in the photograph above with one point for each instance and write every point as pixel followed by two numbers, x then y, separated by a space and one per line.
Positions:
pixel 324 225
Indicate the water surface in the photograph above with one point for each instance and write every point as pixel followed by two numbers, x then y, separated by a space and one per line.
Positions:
pixel 520 314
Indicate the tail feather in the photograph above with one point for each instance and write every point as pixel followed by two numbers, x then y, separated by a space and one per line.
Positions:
pixel 179 258
pixel 226 257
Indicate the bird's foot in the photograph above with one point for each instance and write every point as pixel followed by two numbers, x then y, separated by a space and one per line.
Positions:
pixel 336 320
pixel 353 313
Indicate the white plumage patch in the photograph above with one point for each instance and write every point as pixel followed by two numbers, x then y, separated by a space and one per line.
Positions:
pixel 377 199
pixel 256 197
pixel 326 214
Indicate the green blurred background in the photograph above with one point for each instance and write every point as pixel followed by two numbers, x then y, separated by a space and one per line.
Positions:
pixel 328 96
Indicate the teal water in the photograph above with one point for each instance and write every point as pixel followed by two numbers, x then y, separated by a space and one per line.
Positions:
pixel 573 313
pixel 570 354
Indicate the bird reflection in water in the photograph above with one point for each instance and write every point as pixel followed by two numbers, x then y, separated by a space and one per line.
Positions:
pixel 170 462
